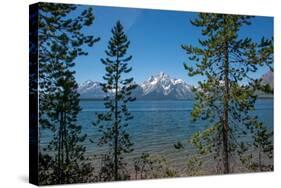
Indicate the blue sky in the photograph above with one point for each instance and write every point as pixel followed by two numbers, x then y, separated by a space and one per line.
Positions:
pixel 155 37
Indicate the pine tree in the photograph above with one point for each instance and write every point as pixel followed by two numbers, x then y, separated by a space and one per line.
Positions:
pixel 113 123
pixel 264 144
pixel 228 92
pixel 61 39
pixel 263 148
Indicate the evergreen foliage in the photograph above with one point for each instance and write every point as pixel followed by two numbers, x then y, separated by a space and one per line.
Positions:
pixel 149 166
pixel 60 43
pixel 113 123
pixel 227 95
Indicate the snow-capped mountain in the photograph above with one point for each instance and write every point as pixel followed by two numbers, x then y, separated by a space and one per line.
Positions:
pixel 268 78
pixel 162 86
pixel 91 89
pixel 159 87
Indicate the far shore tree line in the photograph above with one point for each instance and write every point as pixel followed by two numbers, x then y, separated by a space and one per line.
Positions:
pixel 224 60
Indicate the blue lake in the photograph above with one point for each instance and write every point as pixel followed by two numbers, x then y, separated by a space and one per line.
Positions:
pixel 157 126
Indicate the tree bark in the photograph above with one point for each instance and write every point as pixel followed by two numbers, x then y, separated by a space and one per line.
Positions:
pixel 66 161
pixel 226 106
pixel 60 149
pixel 116 124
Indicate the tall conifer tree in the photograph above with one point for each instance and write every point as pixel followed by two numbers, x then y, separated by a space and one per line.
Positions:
pixel 228 92
pixel 113 123
pixel 60 42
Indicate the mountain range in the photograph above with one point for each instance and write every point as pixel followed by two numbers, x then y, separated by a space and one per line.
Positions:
pixel 158 87
pixel 268 78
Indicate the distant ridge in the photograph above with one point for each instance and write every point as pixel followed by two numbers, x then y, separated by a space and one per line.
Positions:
pixel 158 87
pixel 268 78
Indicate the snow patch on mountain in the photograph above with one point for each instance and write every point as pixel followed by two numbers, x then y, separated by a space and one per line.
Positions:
pixel 160 86
pixel 91 89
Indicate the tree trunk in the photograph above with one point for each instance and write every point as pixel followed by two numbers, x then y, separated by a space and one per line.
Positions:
pixel 66 161
pixel 60 149
pixel 116 125
pixel 226 107
pixel 260 168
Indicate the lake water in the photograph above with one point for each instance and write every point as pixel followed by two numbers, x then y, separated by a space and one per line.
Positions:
pixel 157 126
